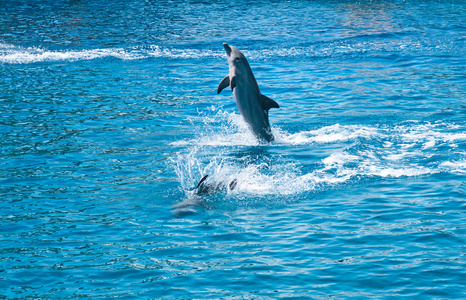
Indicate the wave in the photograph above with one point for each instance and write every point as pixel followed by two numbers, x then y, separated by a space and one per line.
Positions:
pixel 19 55
pixel 11 54
pixel 350 152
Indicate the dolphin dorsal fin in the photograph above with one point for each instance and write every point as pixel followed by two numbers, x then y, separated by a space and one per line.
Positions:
pixel 201 181
pixel 223 84
pixel 268 103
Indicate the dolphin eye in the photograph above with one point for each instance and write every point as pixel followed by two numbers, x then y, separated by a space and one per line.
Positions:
pixel 237 59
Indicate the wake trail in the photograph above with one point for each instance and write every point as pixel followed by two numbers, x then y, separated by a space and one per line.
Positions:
pixel 347 153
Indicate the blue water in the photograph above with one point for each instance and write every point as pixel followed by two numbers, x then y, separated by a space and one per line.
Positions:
pixel 110 117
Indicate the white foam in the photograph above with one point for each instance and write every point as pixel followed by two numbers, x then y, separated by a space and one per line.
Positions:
pixel 173 53
pixel 374 151
pixel 277 176
pixel 12 54
pixel 454 166
pixel 19 55
pixel 430 134
pixel 328 134
pixel 229 129
pixel 252 179
pixel 379 169
pixel 336 160
pixel 24 55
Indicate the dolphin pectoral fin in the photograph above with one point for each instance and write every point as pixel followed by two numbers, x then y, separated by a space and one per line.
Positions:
pixel 268 103
pixel 223 84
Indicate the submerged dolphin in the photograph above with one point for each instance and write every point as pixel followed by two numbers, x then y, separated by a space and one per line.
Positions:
pixel 196 195
pixel 204 188
pixel 252 105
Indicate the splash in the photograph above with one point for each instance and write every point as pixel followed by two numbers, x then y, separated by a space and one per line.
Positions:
pixel 348 153
pixel 255 174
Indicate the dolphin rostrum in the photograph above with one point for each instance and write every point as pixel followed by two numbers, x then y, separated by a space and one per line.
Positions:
pixel 252 105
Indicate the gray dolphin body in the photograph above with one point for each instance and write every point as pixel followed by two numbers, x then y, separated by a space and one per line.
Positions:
pixel 196 196
pixel 252 105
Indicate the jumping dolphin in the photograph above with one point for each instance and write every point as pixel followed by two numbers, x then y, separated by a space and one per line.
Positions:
pixel 252 105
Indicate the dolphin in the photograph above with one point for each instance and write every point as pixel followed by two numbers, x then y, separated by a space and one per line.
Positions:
pixel 204 188
pixel 252 105
pixel 196 195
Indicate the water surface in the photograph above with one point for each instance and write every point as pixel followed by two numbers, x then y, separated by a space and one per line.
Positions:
pixel 110 117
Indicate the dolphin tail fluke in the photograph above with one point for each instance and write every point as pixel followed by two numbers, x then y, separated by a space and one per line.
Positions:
pixel 223 84
pixel 268 103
